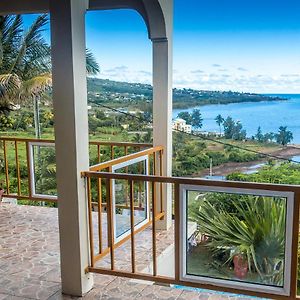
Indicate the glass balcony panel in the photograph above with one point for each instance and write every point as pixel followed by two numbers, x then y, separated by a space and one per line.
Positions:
pixel 121 196
pixel 237 237
pixel 43 170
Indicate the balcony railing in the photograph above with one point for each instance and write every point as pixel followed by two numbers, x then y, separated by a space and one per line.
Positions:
pixel 267 212
pixel 126 198
pixel 29 167
pixel 119 198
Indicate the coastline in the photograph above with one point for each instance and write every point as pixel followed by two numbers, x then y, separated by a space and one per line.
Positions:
pixel 231 167
pixel 186 106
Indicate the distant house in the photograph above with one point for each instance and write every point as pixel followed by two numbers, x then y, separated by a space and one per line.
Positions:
pixel 180 125
pixel 125 126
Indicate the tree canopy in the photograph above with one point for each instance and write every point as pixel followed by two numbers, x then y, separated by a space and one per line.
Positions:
pixel 194 118
pixel 25 60
pixel 284 136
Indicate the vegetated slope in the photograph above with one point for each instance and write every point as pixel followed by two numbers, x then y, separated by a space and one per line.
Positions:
pixel 114 92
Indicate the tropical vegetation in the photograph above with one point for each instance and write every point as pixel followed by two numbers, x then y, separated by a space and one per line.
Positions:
pixel 278 173
pixel 25 64
pixel 250 226
pixel 194 118
pixel 219 120
pixel 282 137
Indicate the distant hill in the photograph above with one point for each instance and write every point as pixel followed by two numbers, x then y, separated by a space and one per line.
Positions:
pixel 120 93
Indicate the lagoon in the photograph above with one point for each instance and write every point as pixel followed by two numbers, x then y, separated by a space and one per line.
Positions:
pixel 267 114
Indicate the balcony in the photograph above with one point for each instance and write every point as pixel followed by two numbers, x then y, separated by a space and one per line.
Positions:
pixel 30 256
pixel 126 216
pixel 29 261
pixel 125 193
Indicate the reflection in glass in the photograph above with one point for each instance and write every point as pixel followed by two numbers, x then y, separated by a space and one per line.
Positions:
pixel 122 199
pixel 44 169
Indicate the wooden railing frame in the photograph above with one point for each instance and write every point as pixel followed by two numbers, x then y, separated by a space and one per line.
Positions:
pixel 153 151
pixel 208 183
pixel 153 180
pixel 112 165
pixel 29 195
pixel 117 161
pixel 104 143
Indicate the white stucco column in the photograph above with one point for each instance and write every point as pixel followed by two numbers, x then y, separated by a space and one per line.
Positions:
pixel 71 136
pixel 162 106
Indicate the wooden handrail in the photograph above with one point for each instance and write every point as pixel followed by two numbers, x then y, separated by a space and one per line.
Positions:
pixel 110 163
pixel 29 140
pixel 177 182
pixel 193 181
pixel 104 143
pixel 23 188
pixel 121 144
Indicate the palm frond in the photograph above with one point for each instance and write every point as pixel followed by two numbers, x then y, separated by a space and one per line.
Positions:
pixel 254 226
pixel 36 85
pixel 9 84
pixel 33 41
pixel 1 49
pixel 11 34
pixel 92 67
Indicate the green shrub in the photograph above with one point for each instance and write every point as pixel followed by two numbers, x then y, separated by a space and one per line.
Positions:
pixel 250 225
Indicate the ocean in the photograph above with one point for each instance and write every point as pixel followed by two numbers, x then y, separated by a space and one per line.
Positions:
pixel 269 115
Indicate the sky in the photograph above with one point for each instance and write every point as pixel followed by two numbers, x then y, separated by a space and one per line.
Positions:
pixel 249 46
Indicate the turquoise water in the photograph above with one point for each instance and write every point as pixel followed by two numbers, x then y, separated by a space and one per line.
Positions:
pixel 268 115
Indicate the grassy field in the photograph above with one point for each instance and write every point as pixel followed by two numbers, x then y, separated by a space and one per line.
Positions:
pixel 249 144
pixel 107 134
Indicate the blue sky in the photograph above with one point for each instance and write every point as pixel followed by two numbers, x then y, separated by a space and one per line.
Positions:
pixel 218 45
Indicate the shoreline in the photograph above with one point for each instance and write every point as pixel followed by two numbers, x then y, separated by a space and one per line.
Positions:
pixel 272 98
pixel 232 167
pixel 225 103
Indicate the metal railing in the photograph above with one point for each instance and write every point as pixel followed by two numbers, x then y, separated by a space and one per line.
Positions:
pixel 105 262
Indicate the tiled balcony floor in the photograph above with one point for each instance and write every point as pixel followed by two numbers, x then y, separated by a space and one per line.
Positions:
pixel 29 261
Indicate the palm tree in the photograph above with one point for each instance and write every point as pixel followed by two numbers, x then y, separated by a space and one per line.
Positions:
pixel 25 63
pixel 284 136
pixel 34 89
pixel 219 120
pixel 23 56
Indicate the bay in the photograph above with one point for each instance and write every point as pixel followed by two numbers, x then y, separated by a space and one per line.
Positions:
pixel 267 114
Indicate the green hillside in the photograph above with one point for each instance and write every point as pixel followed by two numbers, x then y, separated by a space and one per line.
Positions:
pixel 124 93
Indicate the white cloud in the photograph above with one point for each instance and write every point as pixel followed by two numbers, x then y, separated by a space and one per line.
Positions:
pixel 259 83
pixel 123 73
pixel 197 72
pixel 242 69
pixel 199 79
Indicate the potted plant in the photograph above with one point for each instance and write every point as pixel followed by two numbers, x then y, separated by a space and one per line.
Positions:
pixel 240 263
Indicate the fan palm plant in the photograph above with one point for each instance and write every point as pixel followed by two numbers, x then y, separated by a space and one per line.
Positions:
pixel 25 63
pixel 254 227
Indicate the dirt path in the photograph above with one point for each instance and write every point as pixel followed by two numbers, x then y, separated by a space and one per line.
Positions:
pixel 231 167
